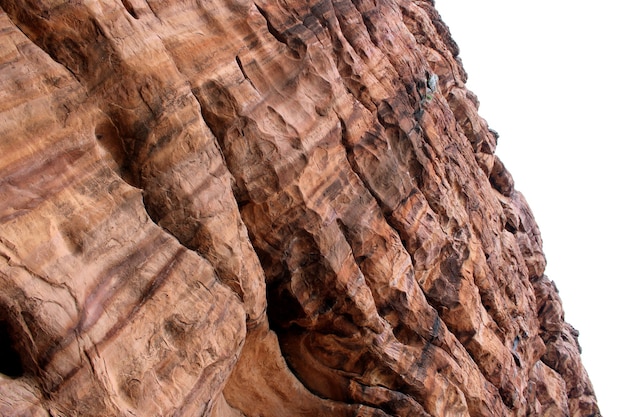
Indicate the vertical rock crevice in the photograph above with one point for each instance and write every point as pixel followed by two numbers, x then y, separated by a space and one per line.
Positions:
pixel 10 360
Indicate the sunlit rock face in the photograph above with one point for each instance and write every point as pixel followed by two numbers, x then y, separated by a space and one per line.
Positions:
pixel 236 208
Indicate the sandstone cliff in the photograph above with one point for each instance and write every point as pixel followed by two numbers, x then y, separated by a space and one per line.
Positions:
pixel 268 208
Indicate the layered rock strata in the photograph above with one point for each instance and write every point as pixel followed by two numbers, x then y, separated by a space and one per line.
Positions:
pixel 237 208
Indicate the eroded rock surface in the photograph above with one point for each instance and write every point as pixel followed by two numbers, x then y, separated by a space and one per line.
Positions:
pixel 237 208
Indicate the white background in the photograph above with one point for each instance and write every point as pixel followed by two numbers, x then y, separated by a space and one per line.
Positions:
pixel 550 78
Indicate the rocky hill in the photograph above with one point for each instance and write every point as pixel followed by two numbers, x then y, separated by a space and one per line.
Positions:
pixel 270 208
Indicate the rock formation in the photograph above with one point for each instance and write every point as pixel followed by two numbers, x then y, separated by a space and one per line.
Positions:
pixel 270 208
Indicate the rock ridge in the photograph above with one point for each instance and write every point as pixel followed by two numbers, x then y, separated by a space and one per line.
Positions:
pixel 261 208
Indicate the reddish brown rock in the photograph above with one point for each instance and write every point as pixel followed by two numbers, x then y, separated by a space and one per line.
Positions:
pixel 234 208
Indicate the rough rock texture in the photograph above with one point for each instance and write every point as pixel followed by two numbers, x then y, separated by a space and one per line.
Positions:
pixel 269 208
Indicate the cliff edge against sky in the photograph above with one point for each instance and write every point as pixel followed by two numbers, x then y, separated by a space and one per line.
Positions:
pixel 271 208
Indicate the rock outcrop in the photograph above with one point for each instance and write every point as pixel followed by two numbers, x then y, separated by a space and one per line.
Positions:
pixel 269 208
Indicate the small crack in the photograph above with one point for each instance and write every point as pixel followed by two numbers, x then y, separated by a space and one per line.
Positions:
pixel 296 47
pixel 272 30
pixel 243 71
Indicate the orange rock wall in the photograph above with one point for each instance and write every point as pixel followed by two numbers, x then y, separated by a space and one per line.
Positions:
pixel 236 208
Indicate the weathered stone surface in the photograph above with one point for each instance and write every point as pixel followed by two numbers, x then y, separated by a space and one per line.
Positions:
pixel 236 208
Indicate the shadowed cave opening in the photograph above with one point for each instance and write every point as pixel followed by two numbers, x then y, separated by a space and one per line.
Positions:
pixel 10 361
